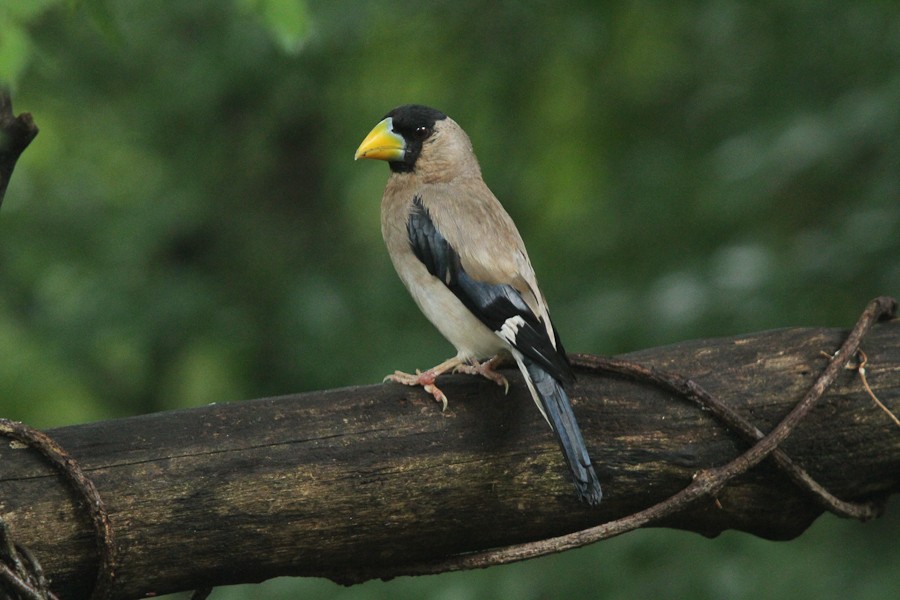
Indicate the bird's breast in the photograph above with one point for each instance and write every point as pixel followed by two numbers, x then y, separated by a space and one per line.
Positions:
pixel 471 338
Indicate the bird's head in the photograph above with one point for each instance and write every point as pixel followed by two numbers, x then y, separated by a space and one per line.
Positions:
pixel 415 138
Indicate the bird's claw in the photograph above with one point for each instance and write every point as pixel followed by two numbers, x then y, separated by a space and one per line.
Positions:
pixel 438 395
pixel 486 370
pixel 425 379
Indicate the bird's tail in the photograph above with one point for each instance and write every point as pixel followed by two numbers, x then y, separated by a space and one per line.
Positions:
pixel 554 403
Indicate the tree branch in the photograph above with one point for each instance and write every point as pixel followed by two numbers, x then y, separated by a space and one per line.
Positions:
pixel 357 482
pixel 15 135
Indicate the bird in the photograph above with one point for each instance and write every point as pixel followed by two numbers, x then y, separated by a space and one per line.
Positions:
pixel 461 257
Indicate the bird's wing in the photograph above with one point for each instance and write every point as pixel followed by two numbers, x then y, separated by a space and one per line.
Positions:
pixel 502 307
pixel 487 269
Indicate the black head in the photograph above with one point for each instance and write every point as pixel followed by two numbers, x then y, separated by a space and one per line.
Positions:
pixel 416 124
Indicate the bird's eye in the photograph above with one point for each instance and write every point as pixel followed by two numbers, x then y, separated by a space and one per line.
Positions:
pixel 421 133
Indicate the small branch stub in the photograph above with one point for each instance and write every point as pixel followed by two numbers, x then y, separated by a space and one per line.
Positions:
pixel 15 135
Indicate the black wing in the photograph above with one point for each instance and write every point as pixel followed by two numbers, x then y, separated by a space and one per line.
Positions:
pixel 497 306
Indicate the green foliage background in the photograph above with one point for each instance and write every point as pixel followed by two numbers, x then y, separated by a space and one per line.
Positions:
pixel 190 227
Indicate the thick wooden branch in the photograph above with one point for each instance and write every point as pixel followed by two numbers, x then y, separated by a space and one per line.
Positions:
pixel 358 482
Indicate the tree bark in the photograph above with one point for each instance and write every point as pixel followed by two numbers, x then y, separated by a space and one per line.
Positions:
pixel 357 482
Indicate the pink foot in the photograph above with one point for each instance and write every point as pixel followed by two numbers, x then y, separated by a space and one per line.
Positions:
pixel 486 370
pixel 425 379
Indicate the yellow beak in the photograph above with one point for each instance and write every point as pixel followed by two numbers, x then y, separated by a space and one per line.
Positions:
pixel 382 143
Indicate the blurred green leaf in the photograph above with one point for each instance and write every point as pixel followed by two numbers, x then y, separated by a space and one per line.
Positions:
pixel 102 17
pixel 15 52
pixel 25 10
pixel 288 21
pixel 15 45
pixel 190 225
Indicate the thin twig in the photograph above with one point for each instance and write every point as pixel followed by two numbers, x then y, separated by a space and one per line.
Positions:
pixel 861 370
pixel 21 580
pixel 35 570
pixel 8 551
pixel 15 583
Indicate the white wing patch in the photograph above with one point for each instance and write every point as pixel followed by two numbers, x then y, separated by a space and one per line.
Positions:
pixel 510 329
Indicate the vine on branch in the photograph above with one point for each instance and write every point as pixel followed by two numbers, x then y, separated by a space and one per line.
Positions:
pixel 705 483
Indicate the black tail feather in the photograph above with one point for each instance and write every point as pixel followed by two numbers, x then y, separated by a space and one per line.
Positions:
pixel 558 409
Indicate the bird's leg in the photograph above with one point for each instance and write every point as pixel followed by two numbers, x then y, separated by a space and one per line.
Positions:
pixel 426 379
pixel 486 370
